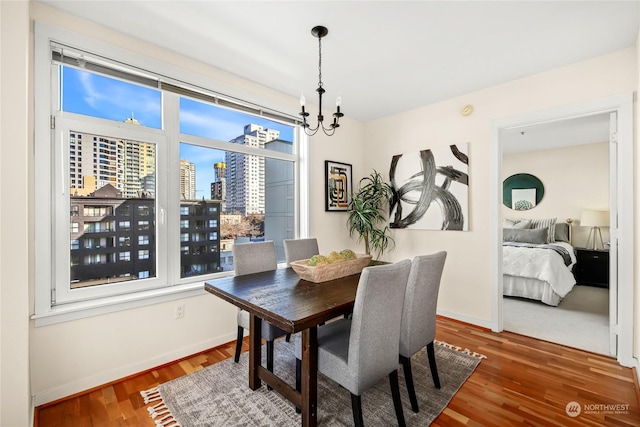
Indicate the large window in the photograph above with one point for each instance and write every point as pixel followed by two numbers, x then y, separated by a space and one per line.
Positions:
pixel 150 185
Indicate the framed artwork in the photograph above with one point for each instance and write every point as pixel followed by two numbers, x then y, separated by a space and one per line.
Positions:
pixel 430 189
pixel 337 186
pixel 523 199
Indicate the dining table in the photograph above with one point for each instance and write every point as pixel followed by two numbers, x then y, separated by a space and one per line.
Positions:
pixel 294 305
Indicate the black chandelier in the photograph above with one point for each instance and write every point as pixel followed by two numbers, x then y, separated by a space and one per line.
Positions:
pixel 320 32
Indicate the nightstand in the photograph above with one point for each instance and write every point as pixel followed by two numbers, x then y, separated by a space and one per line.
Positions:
pixel 592 267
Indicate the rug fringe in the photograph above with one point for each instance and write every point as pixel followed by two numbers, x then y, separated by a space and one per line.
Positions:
pixel 460 349
pixel 159 410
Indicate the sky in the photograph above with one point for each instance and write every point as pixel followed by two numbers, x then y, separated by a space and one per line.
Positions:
pixel 108 98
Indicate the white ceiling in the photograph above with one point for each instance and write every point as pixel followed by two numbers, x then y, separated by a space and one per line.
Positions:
pixel 382 57
pixel 556 134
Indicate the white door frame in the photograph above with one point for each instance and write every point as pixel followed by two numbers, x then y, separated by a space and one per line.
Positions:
pixel 623 106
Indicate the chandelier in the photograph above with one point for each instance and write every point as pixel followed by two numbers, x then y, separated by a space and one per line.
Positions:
pixel 319 32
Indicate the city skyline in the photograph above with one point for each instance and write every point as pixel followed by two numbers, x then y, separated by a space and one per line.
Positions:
pixel 108 98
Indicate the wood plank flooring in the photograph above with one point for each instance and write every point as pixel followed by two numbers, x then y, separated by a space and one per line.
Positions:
pixel 522 382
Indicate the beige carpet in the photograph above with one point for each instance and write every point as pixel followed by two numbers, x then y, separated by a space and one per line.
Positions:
pixel 220 396
pixel 581 320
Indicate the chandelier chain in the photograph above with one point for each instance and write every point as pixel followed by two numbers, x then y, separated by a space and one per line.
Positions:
pixel 320 61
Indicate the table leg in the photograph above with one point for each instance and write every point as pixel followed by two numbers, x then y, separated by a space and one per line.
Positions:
pixel 310 377
pixel 255 351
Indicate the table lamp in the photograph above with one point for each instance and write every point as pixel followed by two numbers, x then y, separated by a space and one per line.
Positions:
pixel 595 220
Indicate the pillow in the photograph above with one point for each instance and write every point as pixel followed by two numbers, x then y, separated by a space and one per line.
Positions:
pixel 549 224
pixel 562 232
pixel 537 236
pixel 516 223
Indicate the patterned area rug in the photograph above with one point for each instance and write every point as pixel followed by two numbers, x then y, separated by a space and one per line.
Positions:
pixel 219 395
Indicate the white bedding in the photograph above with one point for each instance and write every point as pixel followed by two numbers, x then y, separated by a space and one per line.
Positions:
pixel 543 265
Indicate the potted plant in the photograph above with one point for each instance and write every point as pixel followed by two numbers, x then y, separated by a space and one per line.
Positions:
pixel 367 213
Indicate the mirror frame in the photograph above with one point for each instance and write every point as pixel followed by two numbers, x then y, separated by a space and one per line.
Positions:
pixel 521 181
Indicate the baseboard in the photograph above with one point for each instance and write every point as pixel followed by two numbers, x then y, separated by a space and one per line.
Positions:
pixel 69 389
pixel 466 319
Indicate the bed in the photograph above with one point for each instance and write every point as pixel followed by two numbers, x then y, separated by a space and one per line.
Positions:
pixel 537 260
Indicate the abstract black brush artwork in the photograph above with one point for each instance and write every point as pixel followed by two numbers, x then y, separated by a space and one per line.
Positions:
pixel 430 189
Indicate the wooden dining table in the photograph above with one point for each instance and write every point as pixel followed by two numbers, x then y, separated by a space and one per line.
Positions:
pixel 294 305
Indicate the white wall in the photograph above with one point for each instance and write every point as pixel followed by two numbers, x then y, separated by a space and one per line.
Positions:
pixel 636 322
pixel 575 179
pixel 466 290
pixel 331 227
pixel 16 266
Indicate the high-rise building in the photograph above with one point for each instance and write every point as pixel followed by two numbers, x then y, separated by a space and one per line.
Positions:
pixel 112 238
pixel 219 186
pixel 187 180
pixel 97 160
pixel 245 173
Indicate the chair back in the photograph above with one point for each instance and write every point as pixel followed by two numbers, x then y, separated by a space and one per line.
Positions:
pixel 297 249
pixel 254 257
pixel 420 301
pixel 375 324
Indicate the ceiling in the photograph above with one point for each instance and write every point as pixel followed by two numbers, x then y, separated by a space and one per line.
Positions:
pixel 381 57
pixel 556 134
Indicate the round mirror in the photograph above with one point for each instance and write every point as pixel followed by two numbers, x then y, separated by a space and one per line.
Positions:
pixel 522 191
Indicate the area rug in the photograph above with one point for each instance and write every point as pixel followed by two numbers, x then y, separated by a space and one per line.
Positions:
pixel 219 395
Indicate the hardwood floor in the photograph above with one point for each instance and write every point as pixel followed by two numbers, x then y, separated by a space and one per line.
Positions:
pixel 522 381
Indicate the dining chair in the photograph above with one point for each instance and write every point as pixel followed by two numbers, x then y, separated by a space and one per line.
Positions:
pixel 357 352
pixel 251 258
pixel 419 316
pixel 297 249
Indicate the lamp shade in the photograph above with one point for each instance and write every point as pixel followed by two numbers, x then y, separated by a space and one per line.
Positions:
pixel 594 219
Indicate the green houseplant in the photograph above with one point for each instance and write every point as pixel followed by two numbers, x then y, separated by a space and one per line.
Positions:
pixel 367 213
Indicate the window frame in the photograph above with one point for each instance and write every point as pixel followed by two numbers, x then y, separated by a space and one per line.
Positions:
pixel 48 151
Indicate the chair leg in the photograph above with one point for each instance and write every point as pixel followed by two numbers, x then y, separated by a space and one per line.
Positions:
pixel 236 358
pixel 408 378
pixel 356 408
pixel 298 379
pixel 431 353
pixel 395 393
pixel 287 337
pixel 269 359
pixel 270 356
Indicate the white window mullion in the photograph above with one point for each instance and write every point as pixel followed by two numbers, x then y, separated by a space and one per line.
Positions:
pixel 171 165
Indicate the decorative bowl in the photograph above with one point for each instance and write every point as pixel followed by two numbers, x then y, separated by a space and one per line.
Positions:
pixel 324 273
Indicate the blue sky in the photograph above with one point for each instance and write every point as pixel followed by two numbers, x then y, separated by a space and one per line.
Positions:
pixel 108 98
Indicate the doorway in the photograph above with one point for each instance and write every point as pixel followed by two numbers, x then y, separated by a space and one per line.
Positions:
pixel 621 206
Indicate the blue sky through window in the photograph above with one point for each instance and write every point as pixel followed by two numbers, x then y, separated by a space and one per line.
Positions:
pixel 108 98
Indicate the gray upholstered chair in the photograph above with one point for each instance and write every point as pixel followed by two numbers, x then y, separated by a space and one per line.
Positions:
pixel 419 316
pixel 297 249
pixel 357 352
pixel 251 258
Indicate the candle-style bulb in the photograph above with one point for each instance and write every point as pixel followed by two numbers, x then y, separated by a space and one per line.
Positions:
pixel 302 100
pixel 338 101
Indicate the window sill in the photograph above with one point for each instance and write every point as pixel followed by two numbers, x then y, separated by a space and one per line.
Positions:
pixel 84 309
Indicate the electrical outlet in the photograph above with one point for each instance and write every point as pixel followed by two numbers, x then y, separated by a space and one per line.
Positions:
pixel 180 311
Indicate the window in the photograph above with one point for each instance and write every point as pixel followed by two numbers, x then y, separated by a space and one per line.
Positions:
pixel 117 193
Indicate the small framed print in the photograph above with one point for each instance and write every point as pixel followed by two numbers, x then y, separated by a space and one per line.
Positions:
pixel 337 186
